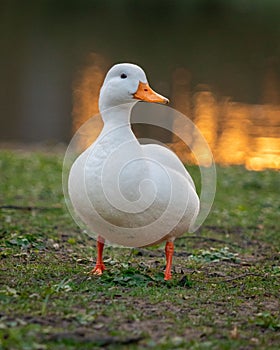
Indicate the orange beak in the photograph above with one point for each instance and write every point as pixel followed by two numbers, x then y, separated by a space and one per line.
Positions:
pixel 145 93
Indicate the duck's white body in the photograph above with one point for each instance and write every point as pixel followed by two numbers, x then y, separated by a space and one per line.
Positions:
pixel 130 194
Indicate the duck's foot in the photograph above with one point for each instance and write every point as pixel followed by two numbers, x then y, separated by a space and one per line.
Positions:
pixel 167 276
pixel 98 269
pixel 99 266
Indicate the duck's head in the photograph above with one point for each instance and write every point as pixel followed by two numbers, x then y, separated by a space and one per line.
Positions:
pixel 126 83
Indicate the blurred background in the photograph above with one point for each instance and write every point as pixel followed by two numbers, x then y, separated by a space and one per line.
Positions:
pixel 217 60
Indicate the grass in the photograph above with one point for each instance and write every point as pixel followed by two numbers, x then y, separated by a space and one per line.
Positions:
pixel 224 293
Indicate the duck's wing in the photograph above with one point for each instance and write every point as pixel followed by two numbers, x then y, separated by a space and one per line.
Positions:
pixel 167 158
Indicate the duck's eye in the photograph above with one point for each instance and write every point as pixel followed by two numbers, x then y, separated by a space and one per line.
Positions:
pixel 123 76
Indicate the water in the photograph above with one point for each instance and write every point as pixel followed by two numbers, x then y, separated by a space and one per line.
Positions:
pixel 228 50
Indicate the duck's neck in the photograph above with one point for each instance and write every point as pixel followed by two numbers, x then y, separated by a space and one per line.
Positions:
pixel 117 129
pixel 118 116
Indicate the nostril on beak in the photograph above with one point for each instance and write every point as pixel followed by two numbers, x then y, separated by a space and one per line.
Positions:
pixel 166 101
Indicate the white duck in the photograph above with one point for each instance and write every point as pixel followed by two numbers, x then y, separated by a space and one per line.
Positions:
pixel 127 193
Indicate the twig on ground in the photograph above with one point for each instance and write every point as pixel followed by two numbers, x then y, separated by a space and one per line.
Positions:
pixel 28 207
pixel 209 239
pixel 242 276
pixel 82 338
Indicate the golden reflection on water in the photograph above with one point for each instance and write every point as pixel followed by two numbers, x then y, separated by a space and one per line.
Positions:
pixel 85 95
pixel 233 145
pixel 237 133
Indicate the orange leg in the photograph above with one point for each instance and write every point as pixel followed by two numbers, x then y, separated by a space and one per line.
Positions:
pixel 99 266
pixel 169 250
